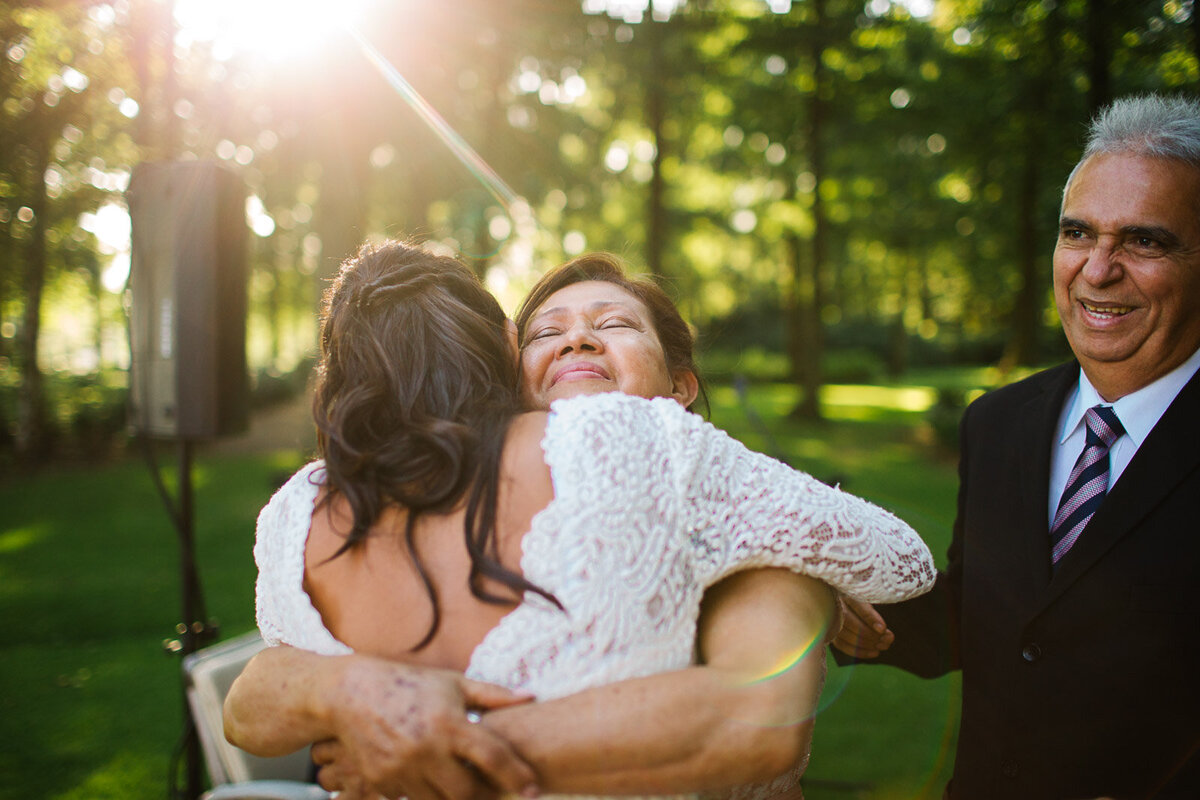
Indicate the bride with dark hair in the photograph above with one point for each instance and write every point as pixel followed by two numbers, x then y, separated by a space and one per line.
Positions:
pixel 556 554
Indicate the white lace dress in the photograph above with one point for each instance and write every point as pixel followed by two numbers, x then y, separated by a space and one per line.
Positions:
pixel 651 506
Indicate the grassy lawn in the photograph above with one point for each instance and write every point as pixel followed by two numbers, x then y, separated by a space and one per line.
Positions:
pixel 882 734
pixel 90 704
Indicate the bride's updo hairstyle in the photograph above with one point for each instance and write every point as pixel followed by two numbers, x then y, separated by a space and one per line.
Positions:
pixel 415 390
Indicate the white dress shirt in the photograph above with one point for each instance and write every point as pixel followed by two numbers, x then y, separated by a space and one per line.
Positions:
pixel 1139 412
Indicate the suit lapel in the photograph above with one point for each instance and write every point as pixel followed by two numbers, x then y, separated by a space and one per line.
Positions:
pixel 1169 453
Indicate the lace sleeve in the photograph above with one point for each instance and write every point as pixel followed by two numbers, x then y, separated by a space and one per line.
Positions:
pixel 735 508
pixel 283 609
pixel 744 509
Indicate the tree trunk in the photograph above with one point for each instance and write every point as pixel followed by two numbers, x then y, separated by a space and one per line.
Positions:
pixel 152 51
pixel 655 118
pixel 897 333
pixel 1099 77
pixel 9 259
pixel 490 118
pixel 809 296
pixel 96 285
pixel 1195 33
pixel 274 261
pixel 1032 261
pixel 32 434
pixel 1022 345
pixel 341 217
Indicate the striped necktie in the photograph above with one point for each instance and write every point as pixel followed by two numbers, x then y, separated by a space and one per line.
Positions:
pixel 1088 482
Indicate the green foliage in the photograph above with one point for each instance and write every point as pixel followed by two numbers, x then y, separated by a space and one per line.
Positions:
pixel 90 416
pixel 87 414
pixel 944 417
pixel 753 363
pixel 270 387
pixel 690 145
pixel 857 365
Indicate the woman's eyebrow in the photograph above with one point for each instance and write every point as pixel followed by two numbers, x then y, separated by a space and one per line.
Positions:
pixel 547 312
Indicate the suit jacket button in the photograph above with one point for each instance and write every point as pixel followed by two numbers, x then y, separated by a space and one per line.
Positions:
pixel 1009 768
pixel 1031 652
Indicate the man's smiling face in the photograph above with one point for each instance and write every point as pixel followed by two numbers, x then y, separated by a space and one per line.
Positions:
pixel 1127 269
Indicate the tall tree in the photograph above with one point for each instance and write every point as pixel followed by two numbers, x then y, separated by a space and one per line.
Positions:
pixel 60 121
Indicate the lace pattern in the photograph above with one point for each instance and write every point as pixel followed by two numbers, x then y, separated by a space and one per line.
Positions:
pixel 283 609
pixel 652 506
pixel 630 544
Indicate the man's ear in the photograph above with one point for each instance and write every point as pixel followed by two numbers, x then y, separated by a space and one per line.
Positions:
pixel 685 386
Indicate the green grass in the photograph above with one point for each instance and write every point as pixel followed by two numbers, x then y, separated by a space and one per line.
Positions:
pixel 90 704
pixel 882 734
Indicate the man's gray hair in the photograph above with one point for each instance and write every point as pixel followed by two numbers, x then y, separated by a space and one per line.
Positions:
pixel 1149 125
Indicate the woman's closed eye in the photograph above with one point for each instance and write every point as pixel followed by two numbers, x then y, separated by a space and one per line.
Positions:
pixel 617 322
pixel 544 333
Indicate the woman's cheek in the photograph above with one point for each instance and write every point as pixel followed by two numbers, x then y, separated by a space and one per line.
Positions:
pixel 532 360
pixel 533 370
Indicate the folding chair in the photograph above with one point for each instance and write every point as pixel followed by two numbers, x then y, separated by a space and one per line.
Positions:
pixel 234 773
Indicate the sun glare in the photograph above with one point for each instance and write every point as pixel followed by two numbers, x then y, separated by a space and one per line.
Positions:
pixel 273 29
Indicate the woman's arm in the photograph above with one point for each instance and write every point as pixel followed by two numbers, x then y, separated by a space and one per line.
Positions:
pixel 403 729
pixel 745 715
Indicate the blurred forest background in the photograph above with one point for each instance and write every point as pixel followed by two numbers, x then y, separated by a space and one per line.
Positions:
pixel 854 202
pixel 835 190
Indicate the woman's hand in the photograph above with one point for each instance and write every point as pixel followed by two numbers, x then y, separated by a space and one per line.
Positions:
pixel 404 731
pixel 336 773
pixel 400 729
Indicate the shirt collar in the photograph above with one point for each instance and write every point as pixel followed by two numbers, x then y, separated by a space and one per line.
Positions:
pixel 1140 411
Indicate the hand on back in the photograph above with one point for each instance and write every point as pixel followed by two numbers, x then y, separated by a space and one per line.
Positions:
pixel 404 731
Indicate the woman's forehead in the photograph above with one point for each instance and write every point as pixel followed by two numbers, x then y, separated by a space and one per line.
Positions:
pixel 590 297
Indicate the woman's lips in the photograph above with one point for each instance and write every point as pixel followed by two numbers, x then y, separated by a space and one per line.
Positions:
pixel 581 371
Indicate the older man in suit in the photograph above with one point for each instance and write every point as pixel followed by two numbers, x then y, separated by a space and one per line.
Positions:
pixel 1071 597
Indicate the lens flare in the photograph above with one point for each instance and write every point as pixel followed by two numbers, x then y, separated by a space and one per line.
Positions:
pixel 288 29
pixel 482 171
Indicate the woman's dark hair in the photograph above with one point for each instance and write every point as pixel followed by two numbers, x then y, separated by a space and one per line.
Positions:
pixel 415 390
pixel 676 338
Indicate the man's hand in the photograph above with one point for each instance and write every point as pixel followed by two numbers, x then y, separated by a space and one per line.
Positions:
pixel 404 731
pixel 864 634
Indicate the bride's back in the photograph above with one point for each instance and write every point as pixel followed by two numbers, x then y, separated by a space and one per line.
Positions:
pixel 431 476
pixel 373 597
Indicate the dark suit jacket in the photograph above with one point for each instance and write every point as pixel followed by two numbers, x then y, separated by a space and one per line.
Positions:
pixel 1085 682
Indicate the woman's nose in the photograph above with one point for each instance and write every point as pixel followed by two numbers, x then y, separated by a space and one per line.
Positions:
pixel 580 337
